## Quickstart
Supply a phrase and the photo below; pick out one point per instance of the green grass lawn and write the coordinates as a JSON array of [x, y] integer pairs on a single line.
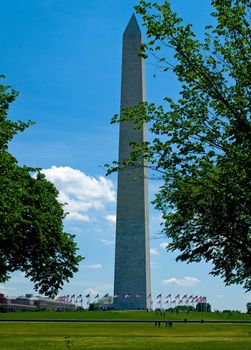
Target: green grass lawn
[[82, 336], [122, 315]]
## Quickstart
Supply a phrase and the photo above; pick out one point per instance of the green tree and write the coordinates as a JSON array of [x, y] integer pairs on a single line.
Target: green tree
[[185, 308], [31, 218], [105, 300], [248, 305], [201, 142], [203, 307]]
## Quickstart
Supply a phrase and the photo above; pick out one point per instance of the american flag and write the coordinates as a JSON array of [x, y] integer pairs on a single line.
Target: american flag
[[138, 295], [116, 296], [201, 299], [127, 295]]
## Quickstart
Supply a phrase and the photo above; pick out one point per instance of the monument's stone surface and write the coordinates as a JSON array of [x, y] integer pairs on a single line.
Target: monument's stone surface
[[132, 254]]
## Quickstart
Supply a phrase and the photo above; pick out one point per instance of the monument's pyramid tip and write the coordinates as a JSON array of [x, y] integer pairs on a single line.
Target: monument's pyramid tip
[[132, 26]]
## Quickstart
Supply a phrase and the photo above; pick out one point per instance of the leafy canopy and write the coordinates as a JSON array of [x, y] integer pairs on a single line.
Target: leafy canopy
[[201, 144], [31, 218]]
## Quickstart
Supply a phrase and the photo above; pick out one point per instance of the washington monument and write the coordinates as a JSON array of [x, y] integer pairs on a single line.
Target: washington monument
[[132, 254]]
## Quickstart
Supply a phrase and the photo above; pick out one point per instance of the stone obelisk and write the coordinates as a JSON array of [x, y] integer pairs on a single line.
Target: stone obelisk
[[132, 254]]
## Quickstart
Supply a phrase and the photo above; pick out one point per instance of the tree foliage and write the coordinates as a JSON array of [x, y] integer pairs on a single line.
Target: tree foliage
[[183, 308], [248, 305], [31, 219], [201, 141], [203, 307], [105, 300]]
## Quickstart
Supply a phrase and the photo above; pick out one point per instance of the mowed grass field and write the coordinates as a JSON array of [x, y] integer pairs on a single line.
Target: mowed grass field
[[78, 336], [110, 336], [122, 315]]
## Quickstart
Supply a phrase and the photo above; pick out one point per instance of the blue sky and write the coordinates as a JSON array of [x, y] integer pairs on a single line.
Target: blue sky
[[64, 57]]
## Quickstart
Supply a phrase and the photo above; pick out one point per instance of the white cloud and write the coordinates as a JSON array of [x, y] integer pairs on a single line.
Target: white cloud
[[154, 251], [91, 291], [86, 287], [163, 245], [98, 289], [106, 242], [186, 281], [98, 230], [110, 218], [94, 266], [4, 289], [80, 191], [75, 216], [75, 229]]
